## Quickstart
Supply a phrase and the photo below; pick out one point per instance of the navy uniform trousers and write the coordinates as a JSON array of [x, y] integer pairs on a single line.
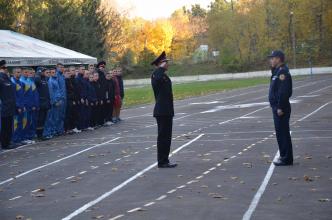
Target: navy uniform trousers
[[281, 124]]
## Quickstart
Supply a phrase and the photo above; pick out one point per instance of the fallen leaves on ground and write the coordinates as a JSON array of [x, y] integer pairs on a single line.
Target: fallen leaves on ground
[[19, 217], [217, 196], [307, 178], [324, 200]]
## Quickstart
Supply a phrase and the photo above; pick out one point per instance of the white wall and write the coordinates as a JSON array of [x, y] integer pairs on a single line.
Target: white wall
[[225, 76]]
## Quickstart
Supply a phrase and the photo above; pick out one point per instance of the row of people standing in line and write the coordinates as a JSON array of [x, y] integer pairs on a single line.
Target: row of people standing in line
[[50, 102]]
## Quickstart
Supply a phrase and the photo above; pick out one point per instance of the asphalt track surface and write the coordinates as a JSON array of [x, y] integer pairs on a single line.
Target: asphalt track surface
[[224, 144]]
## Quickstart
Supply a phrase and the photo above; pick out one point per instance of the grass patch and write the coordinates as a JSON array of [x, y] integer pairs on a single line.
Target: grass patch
[[144, 95]]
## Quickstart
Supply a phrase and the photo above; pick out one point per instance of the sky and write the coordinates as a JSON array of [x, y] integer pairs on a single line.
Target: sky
[[154, 9]]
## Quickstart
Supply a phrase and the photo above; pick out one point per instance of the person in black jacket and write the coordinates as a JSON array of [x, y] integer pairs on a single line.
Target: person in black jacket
[[41, 82], [110, 95], [93, 103], [100, 92], [120, 80], [72, 92], [83, 101], [163, 109], [8, 106]]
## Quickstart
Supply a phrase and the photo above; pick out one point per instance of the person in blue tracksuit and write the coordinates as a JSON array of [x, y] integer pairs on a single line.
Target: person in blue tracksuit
[[8, 106], [63, 93], [83, 96], [18, 135], [35, 105], [51, 126], [28, 105], [281, 90]]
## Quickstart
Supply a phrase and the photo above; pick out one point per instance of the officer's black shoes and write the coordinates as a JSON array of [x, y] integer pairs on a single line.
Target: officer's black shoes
[[282, 163], [167, 165]]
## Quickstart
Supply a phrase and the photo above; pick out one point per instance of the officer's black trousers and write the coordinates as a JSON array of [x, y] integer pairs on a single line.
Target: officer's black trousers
[[6, 131], [42, 114], [165, 124], [281, 124]]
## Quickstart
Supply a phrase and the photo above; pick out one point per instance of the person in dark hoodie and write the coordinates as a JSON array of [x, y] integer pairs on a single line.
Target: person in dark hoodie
[[100, 92], [72, 101], [110, 96], [120, 80], [8, 106], [93, 104], [82, 87], [41, 81]]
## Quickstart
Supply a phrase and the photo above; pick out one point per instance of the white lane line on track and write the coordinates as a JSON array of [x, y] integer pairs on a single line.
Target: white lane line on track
[[117, 188], [54, 184], [161, 198], [56, 161], [149, 204], [247, 215], [17, 197], [171, 191], [70, 177], [134, 210], [260, 191], [117, 217], [307, 116]]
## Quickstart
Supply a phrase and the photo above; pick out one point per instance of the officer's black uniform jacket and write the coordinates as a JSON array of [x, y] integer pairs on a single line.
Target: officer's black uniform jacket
[[162, 88], [281, 88], [7, 96], [44, 92]]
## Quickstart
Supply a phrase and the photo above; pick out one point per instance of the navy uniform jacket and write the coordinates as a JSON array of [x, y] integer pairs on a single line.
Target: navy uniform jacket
[[44, 92], [82, 87], [162, 88], [92, 96], [281, 88], [100, 91], [7, 96]]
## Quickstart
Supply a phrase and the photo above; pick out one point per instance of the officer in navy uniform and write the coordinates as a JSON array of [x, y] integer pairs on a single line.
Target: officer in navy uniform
[[280, 92], [163, 110], [8, 106]]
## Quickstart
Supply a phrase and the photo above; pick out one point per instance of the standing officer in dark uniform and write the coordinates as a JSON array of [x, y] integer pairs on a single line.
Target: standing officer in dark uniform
[[8, 106], [163, 110], [280, 92]]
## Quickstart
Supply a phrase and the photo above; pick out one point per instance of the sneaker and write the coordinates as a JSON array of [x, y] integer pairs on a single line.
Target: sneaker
[[76, 130], [91, 128], [109, 123], [28, 142]]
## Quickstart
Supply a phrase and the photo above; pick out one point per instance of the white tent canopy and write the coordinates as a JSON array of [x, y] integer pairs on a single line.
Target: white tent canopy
[[21, 50]]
